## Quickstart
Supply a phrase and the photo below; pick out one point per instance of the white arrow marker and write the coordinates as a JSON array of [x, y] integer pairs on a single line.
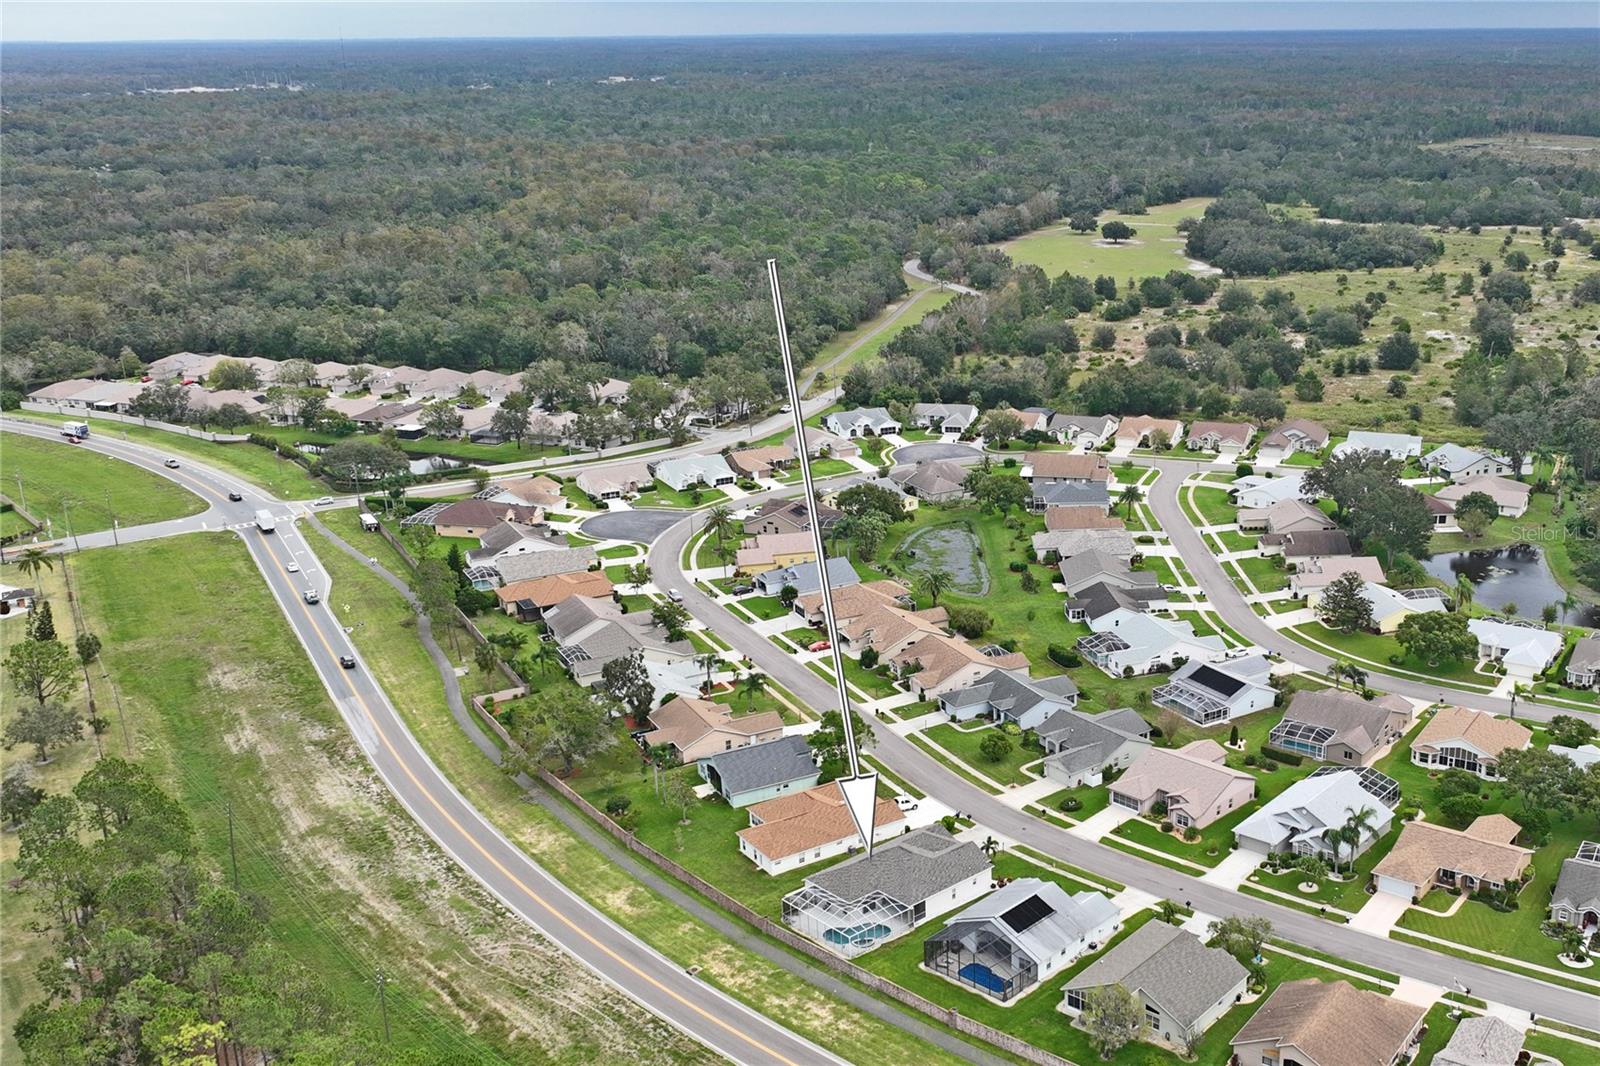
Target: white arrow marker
[[860, 790]]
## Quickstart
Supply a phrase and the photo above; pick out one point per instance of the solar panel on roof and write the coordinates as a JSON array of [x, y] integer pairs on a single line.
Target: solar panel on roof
[[1027, 914], [1216, 680]]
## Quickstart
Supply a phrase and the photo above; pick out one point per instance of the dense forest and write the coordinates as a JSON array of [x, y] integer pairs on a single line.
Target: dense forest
[[490, 204]]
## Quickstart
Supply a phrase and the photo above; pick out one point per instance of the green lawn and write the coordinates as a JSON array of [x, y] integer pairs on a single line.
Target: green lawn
[[861, 345], [1234, 541], [1377, 649], [664, 495], [1094, 799], [466, 451], [316, 835], [73, 488], [1155, 248], [820, 468], [1265, 573], [1213, 505], [765, 607], [1347, 895], [875, 683], [963, 744], [281, 477], [578, 498]]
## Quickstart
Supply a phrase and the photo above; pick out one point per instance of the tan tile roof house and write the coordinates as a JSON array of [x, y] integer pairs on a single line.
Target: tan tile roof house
[[1286, 516], [1426, 854], [1298, 434], [1512, 496], [538, 491], [545, 592], [1316, 1023], [805, 827], [1089, 517], [1192, 780], [1219, 436], [853, 601], [946, 662], [759, 462], [474, 517], [1137, 430], [1462, 739], [767, 551], [1064, 466], [698, 728]]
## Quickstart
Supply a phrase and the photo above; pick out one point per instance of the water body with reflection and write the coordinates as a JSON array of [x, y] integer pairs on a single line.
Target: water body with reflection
[[1517, 574]]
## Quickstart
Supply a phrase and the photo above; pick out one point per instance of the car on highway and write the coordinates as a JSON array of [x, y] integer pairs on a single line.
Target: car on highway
[[310, 596], [347, 661], [820, 645], [674, 595], [293, 568], [71, 439], [171, 464], [234, 497], [322, 501]]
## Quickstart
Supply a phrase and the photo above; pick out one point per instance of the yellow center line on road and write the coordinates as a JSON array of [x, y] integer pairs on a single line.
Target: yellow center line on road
[[513, 878]]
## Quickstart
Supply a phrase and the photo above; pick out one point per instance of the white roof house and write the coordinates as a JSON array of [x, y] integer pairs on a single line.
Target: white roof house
[[1524, 649], [1457, 463], [944, 416], [1295, 818], [1017, 936], [1396, 445], [687, 471], [1390, 606], [1258, 491], [1211, 693], [861, 422], [1128, 642]]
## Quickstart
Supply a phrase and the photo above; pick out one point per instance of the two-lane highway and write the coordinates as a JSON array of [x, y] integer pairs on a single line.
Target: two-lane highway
[[638, 971]]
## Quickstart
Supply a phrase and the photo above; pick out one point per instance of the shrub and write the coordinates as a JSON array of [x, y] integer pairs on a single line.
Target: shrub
[[1064, 657], [1250, 759], [1017, 567], [1288, 758], [869, 658], [970, 622], [1268, 766], [1191, 834], [1166, 826], [1071, 803]]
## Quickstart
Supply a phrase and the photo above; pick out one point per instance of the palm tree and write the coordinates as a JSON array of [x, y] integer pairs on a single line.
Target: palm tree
[[753, 684], [34, 560], [719, 521], [935, 582], [1130, 496], [989, 846], [709, 661], [543, 654], [1357, 676], [1336, 671], [1334, 838], [1357, 825], [1465, 591], [1569, 603]]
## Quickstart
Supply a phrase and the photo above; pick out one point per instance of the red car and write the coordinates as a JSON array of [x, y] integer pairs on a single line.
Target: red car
[[71, 439], [821, 645]]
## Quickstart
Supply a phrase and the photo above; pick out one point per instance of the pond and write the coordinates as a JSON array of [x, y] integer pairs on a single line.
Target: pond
[[952, 548], [1514, 575]]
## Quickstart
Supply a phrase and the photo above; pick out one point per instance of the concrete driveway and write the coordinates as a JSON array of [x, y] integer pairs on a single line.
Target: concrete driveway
[[920, 453], [1378, 915], [643, 525]]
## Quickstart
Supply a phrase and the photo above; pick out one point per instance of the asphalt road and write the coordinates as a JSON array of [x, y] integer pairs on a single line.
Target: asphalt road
[[915, 766], [918, 453], [643, 975], [914, 268]]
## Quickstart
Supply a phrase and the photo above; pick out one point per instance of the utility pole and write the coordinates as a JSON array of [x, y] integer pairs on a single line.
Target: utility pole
[[66, 509], [114, 540], [383, 1002], [22, 495]]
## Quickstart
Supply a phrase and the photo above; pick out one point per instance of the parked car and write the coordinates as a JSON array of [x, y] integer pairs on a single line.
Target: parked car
[[323, 501], [905, 803], [347, 661], [742, 590], [674, 595], [311, 596], [235, 497], [171, 464], [821, 645]]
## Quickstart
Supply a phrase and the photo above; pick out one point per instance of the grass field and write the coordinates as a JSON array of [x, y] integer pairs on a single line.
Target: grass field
[[405, 671], [466, 451], [249, 461], [70, 486], [924, 301], [347, 880], [1156, 248], [964, 744]]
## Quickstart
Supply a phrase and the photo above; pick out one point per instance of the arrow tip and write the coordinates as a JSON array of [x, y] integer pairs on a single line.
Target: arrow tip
[[861, 800]]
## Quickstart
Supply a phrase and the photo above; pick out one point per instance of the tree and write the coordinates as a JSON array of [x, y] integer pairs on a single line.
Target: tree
[[18, 796], [44, 725], [1398, 351], [1394, 518], [787, 595], [753, 683], [40, 668], [1570, 731], [871, 499], [1116, 231], [720, 522], [1474, 512], [34, 561], [867, 533], [1160, 440], [1437, 638], [637, 574], [442, 419], [934, 582], [233, 416], [1350, 478], [1129, 497], [827, 742], [232, 375], [994, 746], [352, 462], [1001, 426], [1264, 405], [995, 493], [1544, 779], [1112, 1016], [1240, 937], [678, 791], [1466, 591], [1082, 222], [166, 402], [1104, 338], [510, 420], [1460, 810], [1343, 606], [672, 617], [560, 723], [971, 622], [627, 680], [41, 622], [1517, 435]]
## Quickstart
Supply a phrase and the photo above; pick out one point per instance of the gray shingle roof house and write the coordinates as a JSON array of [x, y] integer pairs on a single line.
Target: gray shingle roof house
[[757, 772], [1101, 598], [1006, 943], [936, 479], [805, 577], [1184, 985], [1340, 727], [1576, 900], [545, 564], [1485, 1041], [944, 416], [1078, 746], [1010, 696], [1583, 669], [1094, 567], [1304, 543], [1091, 431], [1070, 494], [591, 632], [862, 902], [1066, 543], [1209, 693]]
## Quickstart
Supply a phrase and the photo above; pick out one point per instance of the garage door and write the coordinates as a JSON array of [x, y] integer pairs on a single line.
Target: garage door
[[1396, 887]]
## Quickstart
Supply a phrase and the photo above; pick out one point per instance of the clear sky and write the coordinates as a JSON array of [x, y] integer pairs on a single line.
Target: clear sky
[[134, 20]]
